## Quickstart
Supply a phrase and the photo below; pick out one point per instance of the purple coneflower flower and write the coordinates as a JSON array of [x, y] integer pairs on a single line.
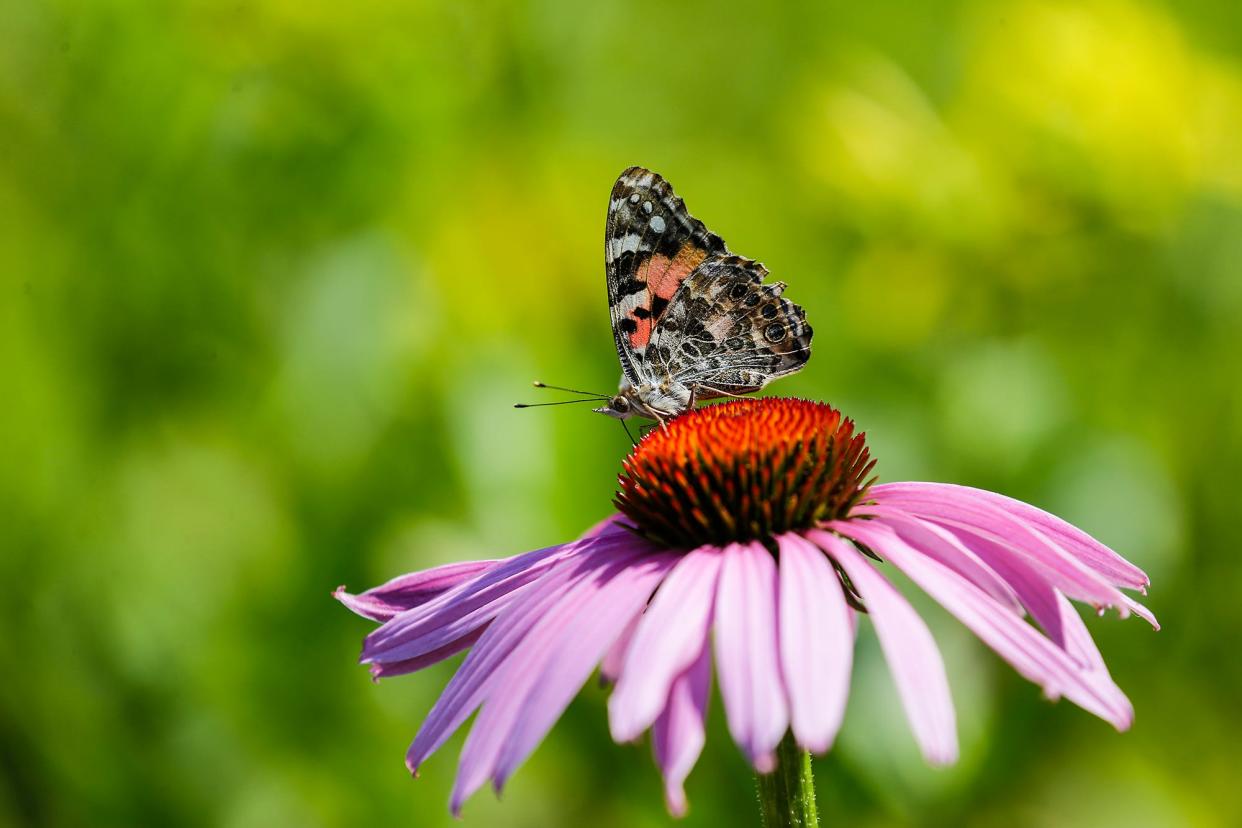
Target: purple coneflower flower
[[749, 535]]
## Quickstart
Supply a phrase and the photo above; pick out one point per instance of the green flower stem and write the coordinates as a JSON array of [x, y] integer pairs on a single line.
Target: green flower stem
[[787, 795]]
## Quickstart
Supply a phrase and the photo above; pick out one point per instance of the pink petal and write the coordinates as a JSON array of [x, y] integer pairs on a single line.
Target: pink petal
[[542, 675], [408, 591], [582, 647], [614, 659], [609, 525], [1099, 557], [746, 653], [475, 679], [957, 507], [912, 655], [816, 642], [1141, 611], [472, 604], [461, 609], [1033, 582], [677, 736], [483, 744], [948, 548], [1035, 592], [669, 638], [1080, 645], [1033, 656], [388, 669], [1045, 603], [1077, 641]]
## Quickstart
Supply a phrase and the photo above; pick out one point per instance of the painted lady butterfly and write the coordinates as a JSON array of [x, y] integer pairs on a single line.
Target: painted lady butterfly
[[691, 320]]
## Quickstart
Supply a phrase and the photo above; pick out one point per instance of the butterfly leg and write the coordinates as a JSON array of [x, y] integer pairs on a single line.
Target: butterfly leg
[[724, 393]]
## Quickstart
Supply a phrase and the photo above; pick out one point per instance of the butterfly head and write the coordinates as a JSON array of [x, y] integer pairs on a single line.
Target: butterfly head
[[619, 407], [655, 401]]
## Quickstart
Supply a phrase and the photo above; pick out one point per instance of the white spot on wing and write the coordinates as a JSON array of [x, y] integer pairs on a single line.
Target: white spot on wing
[[647, 207], [657, 224], [626, 244], [629, 303]]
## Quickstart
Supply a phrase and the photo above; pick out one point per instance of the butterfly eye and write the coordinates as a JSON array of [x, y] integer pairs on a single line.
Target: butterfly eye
[[619, 404]]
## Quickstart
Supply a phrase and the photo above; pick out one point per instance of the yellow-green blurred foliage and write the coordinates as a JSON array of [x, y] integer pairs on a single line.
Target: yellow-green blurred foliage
[[272, 273]]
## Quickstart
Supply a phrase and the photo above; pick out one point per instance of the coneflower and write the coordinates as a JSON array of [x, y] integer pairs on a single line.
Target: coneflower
[[749, 534]]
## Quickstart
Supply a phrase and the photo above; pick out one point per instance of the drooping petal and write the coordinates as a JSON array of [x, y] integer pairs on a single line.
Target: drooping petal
[[1031, 580], [1045, 603], [911, 653], [388, 669], [947, 548], [476, 677], [542, 675], [582, 646], [1020, 644], [408, 591], [1141, 611], [1077, 641], [614, 659], [816, 642], [746, 652], [1035, 592], [677, 736], [956, 507], [669, 639], [461, 609], [472, 604], [557, 604], [1099, 557]]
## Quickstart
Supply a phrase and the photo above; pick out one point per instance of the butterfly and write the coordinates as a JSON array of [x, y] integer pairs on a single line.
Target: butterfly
[[691, 320]]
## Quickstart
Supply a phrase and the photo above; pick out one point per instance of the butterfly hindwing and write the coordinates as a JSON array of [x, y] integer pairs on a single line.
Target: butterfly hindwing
[[726, 332], [652, 245]]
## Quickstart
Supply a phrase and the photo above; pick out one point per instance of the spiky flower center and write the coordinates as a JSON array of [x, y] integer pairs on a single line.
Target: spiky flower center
[[743, 470]]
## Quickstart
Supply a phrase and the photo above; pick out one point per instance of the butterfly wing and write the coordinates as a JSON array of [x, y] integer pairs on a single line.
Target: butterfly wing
[[651, 245], [726, 332]]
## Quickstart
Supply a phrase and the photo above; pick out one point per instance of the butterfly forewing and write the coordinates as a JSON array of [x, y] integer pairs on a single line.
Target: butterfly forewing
[[651, 245]]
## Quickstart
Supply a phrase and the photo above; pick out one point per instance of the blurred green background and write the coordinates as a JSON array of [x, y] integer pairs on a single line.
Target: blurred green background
[[272, 274]]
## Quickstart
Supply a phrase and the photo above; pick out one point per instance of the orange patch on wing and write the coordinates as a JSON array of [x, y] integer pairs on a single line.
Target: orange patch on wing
[[664, 275], [642, 334]]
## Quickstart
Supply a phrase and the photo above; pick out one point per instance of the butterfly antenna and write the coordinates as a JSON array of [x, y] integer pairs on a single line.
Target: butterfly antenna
[[539, 384], [560, 402]]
